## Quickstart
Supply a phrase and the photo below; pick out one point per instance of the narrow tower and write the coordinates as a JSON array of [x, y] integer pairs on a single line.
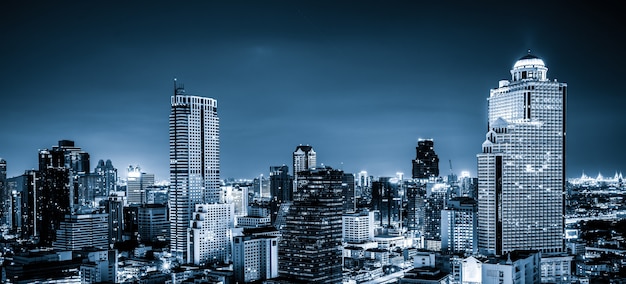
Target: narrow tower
[[194, 162]]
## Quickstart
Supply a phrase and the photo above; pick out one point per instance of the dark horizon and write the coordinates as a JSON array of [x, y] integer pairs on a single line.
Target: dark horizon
[[361, 82]]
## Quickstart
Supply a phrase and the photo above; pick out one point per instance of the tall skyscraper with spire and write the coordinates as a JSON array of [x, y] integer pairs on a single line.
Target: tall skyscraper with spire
[[194, 162], [521, 170]]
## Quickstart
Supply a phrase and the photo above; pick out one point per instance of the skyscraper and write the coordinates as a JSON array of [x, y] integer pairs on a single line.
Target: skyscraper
[[137, 184], [521, 170], [194, 162], [426, 163], [5, 195], [310, 248], [107, 178], [304, 158]]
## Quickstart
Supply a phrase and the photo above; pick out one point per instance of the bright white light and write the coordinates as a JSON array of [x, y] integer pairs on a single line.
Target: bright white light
[[465, 174]]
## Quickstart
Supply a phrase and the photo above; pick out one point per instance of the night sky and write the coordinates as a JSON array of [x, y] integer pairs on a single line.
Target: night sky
[[360, 81]]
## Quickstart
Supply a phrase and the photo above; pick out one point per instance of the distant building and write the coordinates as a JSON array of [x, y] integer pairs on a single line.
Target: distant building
[[255, 258], [114, 207], [210, 236], [107, 178], [137, 184], [349, 195], [358, 227], [157, 194], [81, 231], [415, 194], [5, 195], [304, 158], [152, 222], [312, 230], [387, 200], [281, 188], [426, 163], [23, 203], [521, 169], [436, 196], [459, 226]]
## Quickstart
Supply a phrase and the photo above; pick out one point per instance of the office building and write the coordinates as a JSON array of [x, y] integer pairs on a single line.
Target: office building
[[426, 163], [106, 178], [304, 158], [387, 200], [137, 183], [281, 183], [194, 162], [459, 226], [152, 223], [521, 168], [210, 235], [349, 195], [310, 247], [5, 195], [81, 231], [114, 207], [255, 258], [358, 227]]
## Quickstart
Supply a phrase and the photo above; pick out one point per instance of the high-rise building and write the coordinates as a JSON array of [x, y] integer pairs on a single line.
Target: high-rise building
[[5, 195], [281, 183], [436, 195], [349, 195], [310, 247], [426, 163], [387, 200], [358, 227], [114, 207], [107, 178], [210, 236], [521, 168], [281, 188], [137, 183], [458, 226], [23, 204], [152, 223], [304, 158], [255, 258], [194, 162]]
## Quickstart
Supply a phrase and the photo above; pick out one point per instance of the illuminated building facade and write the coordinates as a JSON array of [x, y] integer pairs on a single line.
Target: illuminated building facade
[[210, 235], [521, 168], [255, 258], [304, 158], [310, 247], [426, 163], [194, 162], [82, 231], [458, 226], [137, 184], [358, 227], [106, 178]]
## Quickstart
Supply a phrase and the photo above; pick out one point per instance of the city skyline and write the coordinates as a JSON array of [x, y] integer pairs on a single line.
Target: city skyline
[[360, 83]]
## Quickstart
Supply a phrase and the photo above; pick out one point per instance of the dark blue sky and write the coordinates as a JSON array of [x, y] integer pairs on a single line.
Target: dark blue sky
[[360, 81]]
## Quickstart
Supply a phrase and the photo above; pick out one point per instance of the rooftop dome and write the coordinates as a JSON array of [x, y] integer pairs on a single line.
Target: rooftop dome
[[529, 60]]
